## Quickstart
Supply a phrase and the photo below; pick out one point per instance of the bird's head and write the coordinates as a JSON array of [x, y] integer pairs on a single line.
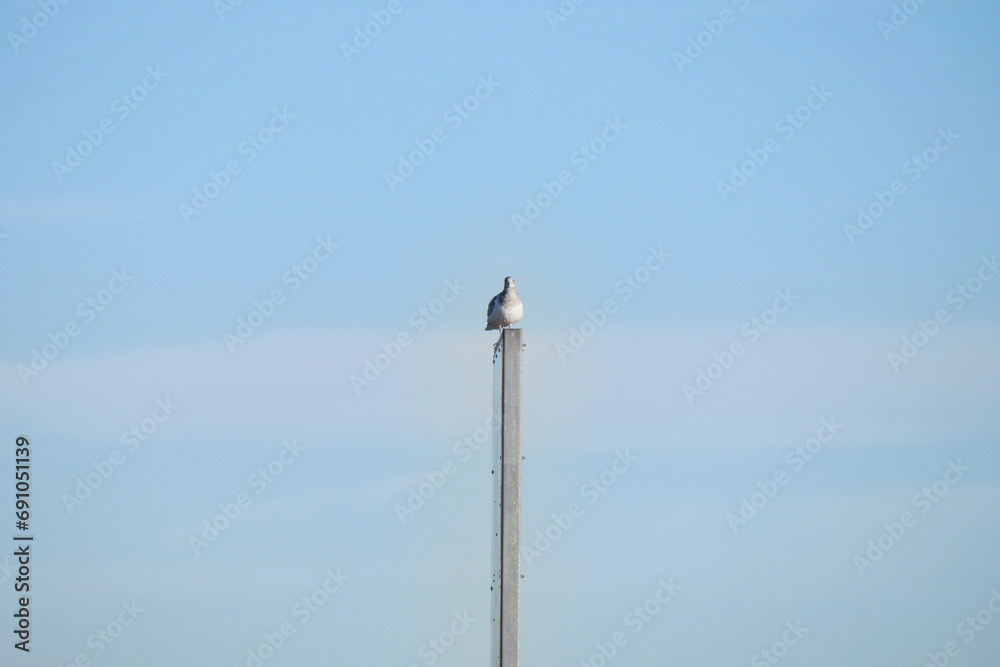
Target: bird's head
[[508, 282]]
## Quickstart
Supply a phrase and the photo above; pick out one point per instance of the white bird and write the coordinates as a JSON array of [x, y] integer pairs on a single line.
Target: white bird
[[504, 309]]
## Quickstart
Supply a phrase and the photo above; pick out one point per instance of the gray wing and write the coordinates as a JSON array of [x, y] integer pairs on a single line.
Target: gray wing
[[494, 303]]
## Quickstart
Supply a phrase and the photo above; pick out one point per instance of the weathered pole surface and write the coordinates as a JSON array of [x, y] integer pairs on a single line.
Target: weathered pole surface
[[506, 499]]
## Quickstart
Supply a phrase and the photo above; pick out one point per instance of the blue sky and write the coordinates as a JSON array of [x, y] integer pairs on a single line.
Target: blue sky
[[642, 140]]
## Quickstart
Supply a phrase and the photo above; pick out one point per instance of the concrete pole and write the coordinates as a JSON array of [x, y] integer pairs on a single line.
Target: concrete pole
[[505, 587]]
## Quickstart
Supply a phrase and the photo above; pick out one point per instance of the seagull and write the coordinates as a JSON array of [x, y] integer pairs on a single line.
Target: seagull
[[504, 309]]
